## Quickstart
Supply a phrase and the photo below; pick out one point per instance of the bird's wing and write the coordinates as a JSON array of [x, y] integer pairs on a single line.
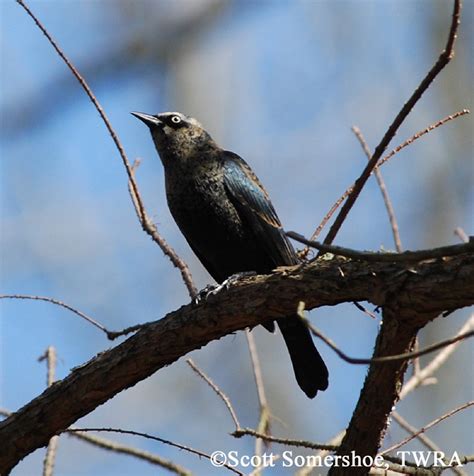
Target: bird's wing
[[253, 204]]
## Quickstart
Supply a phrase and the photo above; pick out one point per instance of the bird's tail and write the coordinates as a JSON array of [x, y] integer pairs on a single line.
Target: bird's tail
[[310, 370]]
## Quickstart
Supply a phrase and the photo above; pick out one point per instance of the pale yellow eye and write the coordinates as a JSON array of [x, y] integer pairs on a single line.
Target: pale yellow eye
[[176, 119]]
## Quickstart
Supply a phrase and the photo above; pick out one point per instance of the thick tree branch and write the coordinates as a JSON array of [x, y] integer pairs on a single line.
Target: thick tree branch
[[426, 289]]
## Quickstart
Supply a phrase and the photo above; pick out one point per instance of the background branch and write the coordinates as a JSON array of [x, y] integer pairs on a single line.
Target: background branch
[[444, 58], [428, 287], [148, 226]]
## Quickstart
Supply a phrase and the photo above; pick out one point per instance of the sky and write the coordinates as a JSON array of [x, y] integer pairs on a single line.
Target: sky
[[280, 83]]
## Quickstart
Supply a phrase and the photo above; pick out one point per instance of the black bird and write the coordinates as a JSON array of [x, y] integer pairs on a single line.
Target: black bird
[[228, 220]]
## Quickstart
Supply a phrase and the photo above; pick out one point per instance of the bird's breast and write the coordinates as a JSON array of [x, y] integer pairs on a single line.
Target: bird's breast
[[211, 224]]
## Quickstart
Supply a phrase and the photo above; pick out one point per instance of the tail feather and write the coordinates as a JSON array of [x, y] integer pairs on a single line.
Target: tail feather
[[310, 370]]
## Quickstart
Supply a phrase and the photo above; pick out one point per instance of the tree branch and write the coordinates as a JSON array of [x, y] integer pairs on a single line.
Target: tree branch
[[444, 58], [425, 289]]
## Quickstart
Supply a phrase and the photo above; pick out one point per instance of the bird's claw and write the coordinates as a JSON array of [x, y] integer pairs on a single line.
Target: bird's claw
[[212, 289], [204, 293]]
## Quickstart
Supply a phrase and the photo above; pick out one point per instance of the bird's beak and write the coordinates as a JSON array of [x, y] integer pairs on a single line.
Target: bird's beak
[[149, 120]]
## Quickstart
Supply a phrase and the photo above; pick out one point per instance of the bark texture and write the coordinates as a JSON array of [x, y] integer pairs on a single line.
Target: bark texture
[[411, 295]]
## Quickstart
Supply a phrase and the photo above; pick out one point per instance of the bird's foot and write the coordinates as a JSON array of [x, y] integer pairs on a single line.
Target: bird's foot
[[212, 289], [204, 293]]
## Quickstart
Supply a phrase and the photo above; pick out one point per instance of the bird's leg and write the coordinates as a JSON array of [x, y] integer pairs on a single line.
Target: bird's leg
[[212, 289], [204, 293]]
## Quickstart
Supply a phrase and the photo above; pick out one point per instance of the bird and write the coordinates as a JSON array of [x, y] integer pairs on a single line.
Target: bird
[[227, 218]]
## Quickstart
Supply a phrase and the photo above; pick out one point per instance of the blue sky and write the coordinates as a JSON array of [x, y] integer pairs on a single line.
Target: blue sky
[[278, 82]]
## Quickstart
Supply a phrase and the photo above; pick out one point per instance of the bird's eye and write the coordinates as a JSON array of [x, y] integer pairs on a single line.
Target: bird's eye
[[175, 119]]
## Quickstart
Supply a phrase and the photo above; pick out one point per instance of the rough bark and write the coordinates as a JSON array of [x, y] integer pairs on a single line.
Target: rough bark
[[417, 292]]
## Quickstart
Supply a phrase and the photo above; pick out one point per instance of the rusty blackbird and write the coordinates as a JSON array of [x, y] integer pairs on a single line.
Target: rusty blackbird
[[228, 220]]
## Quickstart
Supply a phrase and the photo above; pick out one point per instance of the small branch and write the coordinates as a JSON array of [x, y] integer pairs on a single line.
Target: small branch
[[383, 189], [437, 362], [151, 437], [284, 441], [381, 162], [216, 389], [427, 442], [428, 426], [117, 447], [263, 425], [110, 334], [361, 308], [386, 358], [429, 288], [420, 134], [443, 60], [151, 229], [50, 357], [459, 232], [145, 221], [57, 303], [50, 456], [404, 257]]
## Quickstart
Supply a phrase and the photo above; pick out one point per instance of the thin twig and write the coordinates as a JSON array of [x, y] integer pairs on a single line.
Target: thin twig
[[420, 134], [284, 441], [217, 390], [391, 462], [148, 226], [376, 360], [428, 426], [117, 447], [264, 413], [422, 377], [381, 162], [50, 456], [383, 189], [155, 438], [443, 60], [459, 232], [110, 334], [416, 380], [404, 257], [359, 306], [57, 302], [427, 442]]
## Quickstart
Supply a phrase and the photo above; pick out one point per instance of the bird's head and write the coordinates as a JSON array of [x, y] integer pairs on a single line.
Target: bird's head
[[177, 137]]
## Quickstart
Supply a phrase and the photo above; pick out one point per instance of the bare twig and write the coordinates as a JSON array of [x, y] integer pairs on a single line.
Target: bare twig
[[405, 256], [110, 334], [264, 417], [155, 438], [430, 286], [111, 445], [50, 456], [427, 442], [459, 232], [421, 133], [387, 358], [216, 389], [117, 447], [383, 189], [148, 226], [428, 426], [359, 306], [284, 441], [58, 303], [444, 58], [420, 378], [416, 380], [381, 162]]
